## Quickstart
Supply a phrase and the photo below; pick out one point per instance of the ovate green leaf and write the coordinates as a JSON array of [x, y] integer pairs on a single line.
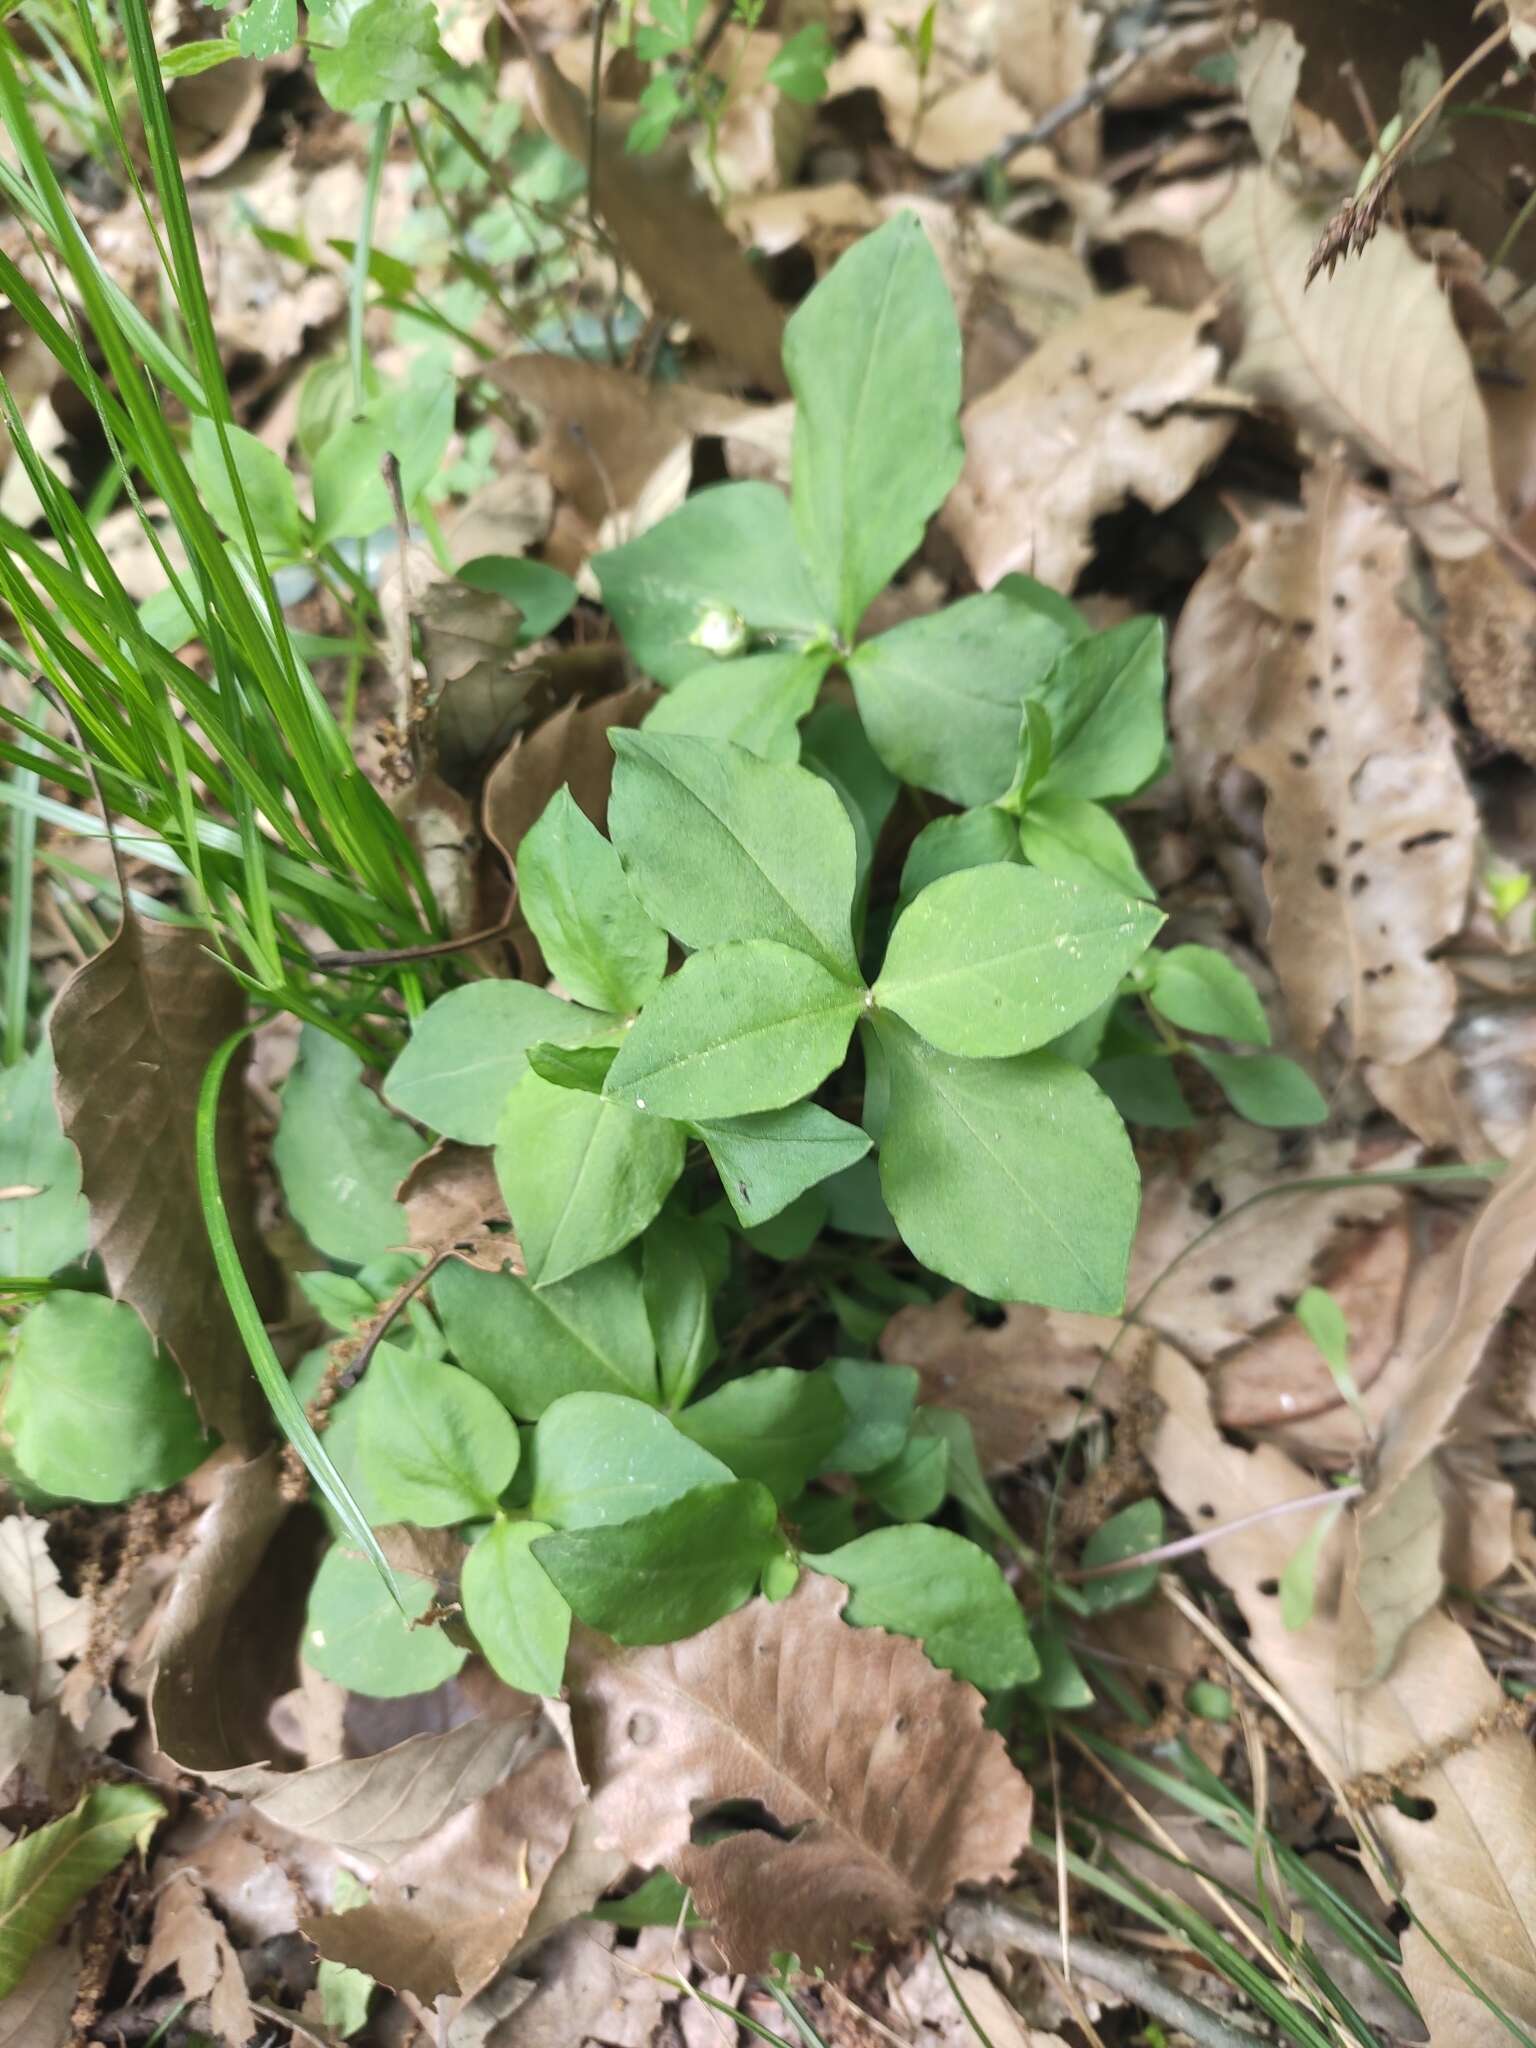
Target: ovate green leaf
[[682, 1263], [46, 1874], [531, 1345], [1079, 840], [1265, 1087], [264, 478], [468, 1052], [949, 845], [599, 1459], [340, 1155], [766, 1161], [437, 1446], [776, 1426], [599, 943], [1199, 989], [44, 1221], [1104, 695], [385, 50], [356, 1634], [520, 1622], [1133, 1530], [879, 1400], [758, 701], [942, 1589]]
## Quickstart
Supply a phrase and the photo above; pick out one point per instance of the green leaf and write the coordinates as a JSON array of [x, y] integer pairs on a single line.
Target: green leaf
[[1145, 1089], [597, 940], [723, 565], [758, 701], [532, 1345], [1320, 1315], [1033, 758], [541, 594], [1061, 1687], [345, 1993], [599, 1459], [1013, 1177], [439, 1447], [776, 1426], [1000, 960], [1136, 1528], [669, 1573], [1265, 1087], [941, 1589], [413, 422], [469, 1051], [791, 1233], [737, 1030], [679, 1276], [575, 1066], [948, 846], [799, 69], [879, 1400], [354, 1632], [659, 109], [267, 28], [340, 1155], [719, 845], [269, 491], [1199, 989], [46, 1874], [658, 1901], [766, 1161], [873, 359], [388, 51], [965, 1478], [191, 60], [1079, 840], [44, 1221], [1104, 695], [835, 746], [94, 1410], [913, 1485], [582, 1174], [941, 696], [520, 1622], [346, 1420], [1298, 1581]]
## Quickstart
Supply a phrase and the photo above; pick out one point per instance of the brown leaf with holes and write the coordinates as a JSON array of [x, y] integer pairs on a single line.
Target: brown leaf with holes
[[132, 1032], [228, 1642], [1371, 354], [1297, 666], [187, 1937], [1019, 1385], [1438, 1726], [1121, 402], [849, 1736], [454, 1907], [668, 232]]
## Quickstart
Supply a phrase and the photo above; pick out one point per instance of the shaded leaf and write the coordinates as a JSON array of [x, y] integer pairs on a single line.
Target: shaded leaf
[[44, 1876], [521, 1622], [766, 1161], [758, 701], [355, 1633], [597, 941], [44, 1221], [531, 1345], [777, 1426], [438, 1447], [468, 1052], [599, 1459], [341, 1155], [944, 1591]]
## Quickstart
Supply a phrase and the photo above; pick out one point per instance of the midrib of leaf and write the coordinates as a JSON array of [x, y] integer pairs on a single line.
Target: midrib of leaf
[[829, 1006], [850, 440], [983, 962], [579, 1178], [602, 1361]]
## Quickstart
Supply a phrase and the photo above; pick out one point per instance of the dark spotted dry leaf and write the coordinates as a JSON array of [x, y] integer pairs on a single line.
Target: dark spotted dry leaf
[[848, 1736], [1297, 667], [132, 1031], [669, 233]]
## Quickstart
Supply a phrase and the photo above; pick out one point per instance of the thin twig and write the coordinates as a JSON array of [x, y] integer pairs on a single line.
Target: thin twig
[[402, 1297], [431, 949], [1186, 1546], [976, 1922]]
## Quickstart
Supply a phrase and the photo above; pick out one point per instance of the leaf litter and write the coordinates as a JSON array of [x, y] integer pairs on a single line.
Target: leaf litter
[[1326, 491]]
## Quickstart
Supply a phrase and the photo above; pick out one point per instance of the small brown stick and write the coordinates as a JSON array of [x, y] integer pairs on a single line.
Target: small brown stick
[[430, 949], [350, 1374]]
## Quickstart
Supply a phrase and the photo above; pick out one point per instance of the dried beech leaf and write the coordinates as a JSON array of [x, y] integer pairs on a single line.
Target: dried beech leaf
[[1371, 353], [1019, 1384], [380, 1806], [1296, 663], [187, 1938], [1104, 410], [668, 232], [132, 1031], [453, 1908], [40, 1624], [1465, 1868], [228, 1641], [850, 1736]]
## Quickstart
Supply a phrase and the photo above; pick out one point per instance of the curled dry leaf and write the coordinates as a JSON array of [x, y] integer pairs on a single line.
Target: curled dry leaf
[[1115, 404], [1370, 353], [453, 1907], [228, 1641], [848, 1736], [40, 1624], [452, 1199], [188, 1938], [1045, 54], [1297, 664], [132, 1031], [1019, 1384], [668, 233], [1435, 1726]]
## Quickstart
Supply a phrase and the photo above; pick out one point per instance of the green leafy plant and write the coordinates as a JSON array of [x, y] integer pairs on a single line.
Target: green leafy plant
[[683, 87]]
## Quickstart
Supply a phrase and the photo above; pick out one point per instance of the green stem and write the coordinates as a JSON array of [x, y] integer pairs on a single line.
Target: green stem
[[362, 249]]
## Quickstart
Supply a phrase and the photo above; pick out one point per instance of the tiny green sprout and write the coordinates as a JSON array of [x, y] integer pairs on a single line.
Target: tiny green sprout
[[1507, 892], [1324, 1322], [720, 631], [1298, 1582]]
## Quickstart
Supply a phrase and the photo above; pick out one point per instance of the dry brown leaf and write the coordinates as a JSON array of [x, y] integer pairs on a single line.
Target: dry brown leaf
[[453, 1908], [946, 123], [381, 1806], [451, 1196], [1297, 664], [1370, 353], [1019, 1384], [1104, 410], [132, 1031], [1489, 629], [1465, 1870], [669, 234], [187, 1938], [850, 1736], [570, 748], [1268, 72], [37, 2013], [227, 1644], [40, 1624], [1045, 53]]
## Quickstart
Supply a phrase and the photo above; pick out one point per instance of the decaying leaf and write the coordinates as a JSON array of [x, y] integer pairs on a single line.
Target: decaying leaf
[[453, 1908], [132, 1032], [1435, 1727], [451, 1197], [669, 234], [572, 747], [188, 1938], [40, 1624], [37, 2013], [1489, 629], [1121, 402], [849, 1736], [1370, 353], [1045, 53], [1296, 663], [227, 1643]]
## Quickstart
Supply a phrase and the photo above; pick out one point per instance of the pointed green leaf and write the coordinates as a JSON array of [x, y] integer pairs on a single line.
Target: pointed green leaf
[[599, 1459], [438, 1447], [1104, 696], [265, 480], [940, 1588], [682, 1263], [340, 1155], [776, 1426], [468, 1052], [532, 1345], [1265, 1087], [879, 1399], [949, 845], [46, 1874], [1133, 1530], [599, 943], [1199, 989], [758, 701], [1079, 840], [766, 1161], [520, 1622]]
